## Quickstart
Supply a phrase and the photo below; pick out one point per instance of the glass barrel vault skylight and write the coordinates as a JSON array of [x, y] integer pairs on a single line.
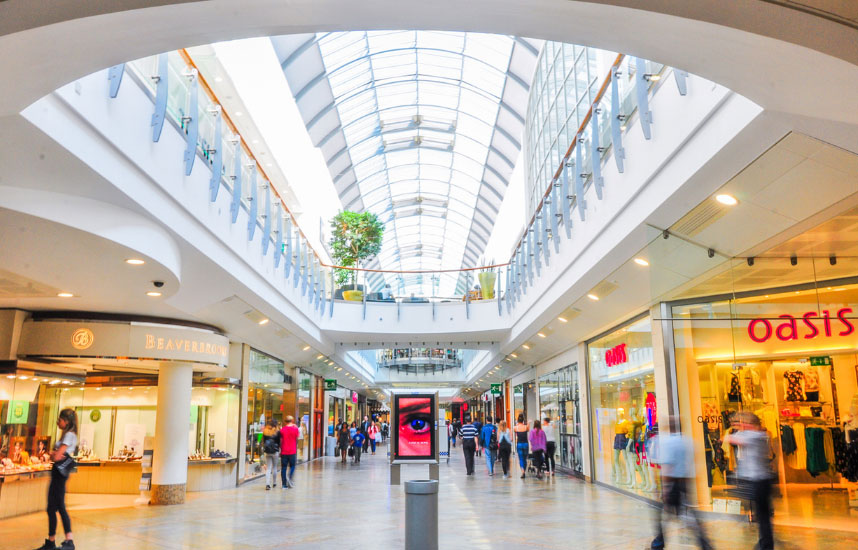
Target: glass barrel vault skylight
[[422, 128]]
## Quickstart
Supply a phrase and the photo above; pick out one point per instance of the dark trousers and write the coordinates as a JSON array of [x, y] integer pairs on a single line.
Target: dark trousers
[[538, 461], [549, 455], [761, 491], [365, 442], [504, 452], [469, 446], [674, 497], [287, 461], [372, 442], [57, 504]]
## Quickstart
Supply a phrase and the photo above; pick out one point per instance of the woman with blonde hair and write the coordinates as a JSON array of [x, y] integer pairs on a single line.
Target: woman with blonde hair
[[504, 446]]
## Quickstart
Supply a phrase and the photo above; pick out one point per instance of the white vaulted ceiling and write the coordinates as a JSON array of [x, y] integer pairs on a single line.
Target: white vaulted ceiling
[[422, 128]]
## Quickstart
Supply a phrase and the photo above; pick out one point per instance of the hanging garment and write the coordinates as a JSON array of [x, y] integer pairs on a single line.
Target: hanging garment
[[734, 388], [798, 460], [850, 470], [816, 463], [811, 384], [838, 439], [828, 443], [787, 440], [794, 385]]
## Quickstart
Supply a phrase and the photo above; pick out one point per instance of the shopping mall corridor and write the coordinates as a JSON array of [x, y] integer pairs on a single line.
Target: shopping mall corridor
[[353, 506]]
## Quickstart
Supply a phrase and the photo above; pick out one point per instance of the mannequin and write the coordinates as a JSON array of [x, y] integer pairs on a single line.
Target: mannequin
[[631, 457], [618, 474], [851, 419], [794, 386]]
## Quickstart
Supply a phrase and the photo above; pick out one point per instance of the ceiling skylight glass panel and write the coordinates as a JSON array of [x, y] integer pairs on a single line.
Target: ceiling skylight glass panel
[[417, 110]]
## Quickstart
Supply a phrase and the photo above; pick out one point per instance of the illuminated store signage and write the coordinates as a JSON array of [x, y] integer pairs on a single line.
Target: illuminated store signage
[[807, 327], [616, 355], [191, 346]]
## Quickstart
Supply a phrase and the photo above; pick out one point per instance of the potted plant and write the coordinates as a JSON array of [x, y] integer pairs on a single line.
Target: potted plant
[[488, 278], [354, 237]]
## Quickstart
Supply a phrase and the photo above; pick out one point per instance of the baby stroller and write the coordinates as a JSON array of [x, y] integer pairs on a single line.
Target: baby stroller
[[531, 464]]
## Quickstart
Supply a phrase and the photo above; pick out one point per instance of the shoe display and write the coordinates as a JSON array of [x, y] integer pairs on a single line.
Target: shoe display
[[49, 545]]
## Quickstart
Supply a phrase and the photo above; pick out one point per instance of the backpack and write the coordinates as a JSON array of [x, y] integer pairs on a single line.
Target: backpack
[[493, 440], [270, 446]]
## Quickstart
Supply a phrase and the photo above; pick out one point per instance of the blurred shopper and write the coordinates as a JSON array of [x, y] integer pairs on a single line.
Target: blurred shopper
[[521, 444], [755, 471], [489, 442], [289, 434], [364, 429], [270, 449], [468, 434], [63, 464], [479, 426], [550, 445], [357, 444], [373, 436], [343, 440], [538, 445], [504, 447], [676, 456]]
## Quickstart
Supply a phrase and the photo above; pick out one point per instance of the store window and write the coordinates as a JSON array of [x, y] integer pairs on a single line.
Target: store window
[[305, 388], [269, 396], [790, 358], [518, 402], [559, 399], [624, 414]]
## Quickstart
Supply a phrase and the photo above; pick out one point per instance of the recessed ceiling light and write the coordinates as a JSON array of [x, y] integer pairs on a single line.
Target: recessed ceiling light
[[65, 295], [305, 348], [728, 200], [23, 377], [255, 141], [134, 261], [593, 297], [641, 262], [525, 346], [153, 294], [563, 319], [264, 321], [540, 335], [319, 356], [218, 79], [238, 113]]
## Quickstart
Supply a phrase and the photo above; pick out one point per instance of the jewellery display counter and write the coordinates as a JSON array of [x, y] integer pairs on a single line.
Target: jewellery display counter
[[23, 490]]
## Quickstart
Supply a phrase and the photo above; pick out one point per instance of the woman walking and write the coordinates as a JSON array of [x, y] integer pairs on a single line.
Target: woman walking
[[344, 439], [373, 435], [538, 445], [63, 464], [551, 445], [504, 447], [271, 448], [521, 444]]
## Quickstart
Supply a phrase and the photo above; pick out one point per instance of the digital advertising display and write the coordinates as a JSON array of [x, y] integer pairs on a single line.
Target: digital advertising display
[[414, 418]]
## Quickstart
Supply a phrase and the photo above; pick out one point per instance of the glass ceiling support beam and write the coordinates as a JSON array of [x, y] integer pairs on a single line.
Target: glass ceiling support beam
[[309, 86], [306, 45], [318, 116], [681, 78]]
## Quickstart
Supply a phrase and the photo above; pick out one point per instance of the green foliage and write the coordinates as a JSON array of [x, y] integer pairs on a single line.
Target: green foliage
[[355, 237]]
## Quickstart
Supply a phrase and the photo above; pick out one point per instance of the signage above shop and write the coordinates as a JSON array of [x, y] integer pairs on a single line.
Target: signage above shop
[[354, 397], [330, 385], [823, 361], [496, 389], [808, 326], [616, 356]]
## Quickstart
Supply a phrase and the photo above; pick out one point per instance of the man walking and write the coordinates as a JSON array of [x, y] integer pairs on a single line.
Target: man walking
[[364, 429], [676, 456], [468, 435], [479, 426], [489, 443], [288, 451]]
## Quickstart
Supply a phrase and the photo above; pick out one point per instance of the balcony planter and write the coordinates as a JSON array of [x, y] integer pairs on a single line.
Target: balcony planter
[[487, 284], [353, 295]]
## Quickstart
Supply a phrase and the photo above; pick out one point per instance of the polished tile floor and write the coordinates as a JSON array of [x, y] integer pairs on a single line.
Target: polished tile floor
[[353, 507]]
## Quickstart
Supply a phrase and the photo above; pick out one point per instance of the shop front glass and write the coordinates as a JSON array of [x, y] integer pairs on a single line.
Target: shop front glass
[[789, 356], [624, 413], [559, 401], [305, 388], [268, 396], [518, 402]]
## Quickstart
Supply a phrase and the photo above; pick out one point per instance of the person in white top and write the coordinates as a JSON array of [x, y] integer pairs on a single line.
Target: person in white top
[[551, 444]]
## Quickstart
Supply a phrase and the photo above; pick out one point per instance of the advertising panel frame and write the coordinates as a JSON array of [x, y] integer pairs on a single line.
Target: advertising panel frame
[[396, 454]]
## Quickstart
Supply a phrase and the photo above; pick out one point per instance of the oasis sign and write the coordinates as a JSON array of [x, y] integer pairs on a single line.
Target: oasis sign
[[808, 326], [616, 355]]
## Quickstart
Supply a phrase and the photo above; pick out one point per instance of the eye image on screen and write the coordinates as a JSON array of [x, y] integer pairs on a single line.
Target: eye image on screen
[[415, 427]]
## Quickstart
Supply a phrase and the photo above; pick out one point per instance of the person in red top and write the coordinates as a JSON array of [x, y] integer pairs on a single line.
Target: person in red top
[[288, 451]]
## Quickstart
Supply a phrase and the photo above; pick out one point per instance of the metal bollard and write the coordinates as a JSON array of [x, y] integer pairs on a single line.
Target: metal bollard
[[421, 514]]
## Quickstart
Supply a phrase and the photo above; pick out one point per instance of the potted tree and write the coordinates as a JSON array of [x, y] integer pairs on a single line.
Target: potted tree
[[487, 278], [354, 237]]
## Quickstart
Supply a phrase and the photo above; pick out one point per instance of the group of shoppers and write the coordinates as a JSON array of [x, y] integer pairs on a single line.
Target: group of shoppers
[[354, 440], [283, 442], [537, 443]]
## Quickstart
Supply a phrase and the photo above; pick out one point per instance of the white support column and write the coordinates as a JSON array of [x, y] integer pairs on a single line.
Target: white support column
[[170, 460]]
